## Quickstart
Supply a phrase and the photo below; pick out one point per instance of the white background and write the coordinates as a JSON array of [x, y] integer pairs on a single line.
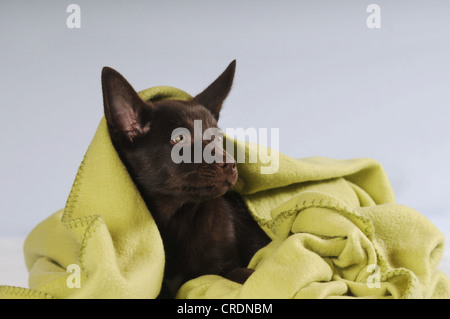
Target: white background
[[313, 69]]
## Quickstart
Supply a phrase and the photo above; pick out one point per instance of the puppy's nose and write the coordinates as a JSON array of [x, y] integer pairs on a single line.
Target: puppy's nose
[[228, 162], [225, 165]]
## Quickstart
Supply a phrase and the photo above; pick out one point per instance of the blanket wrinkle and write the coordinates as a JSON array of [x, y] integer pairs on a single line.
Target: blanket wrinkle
[[336, 232]]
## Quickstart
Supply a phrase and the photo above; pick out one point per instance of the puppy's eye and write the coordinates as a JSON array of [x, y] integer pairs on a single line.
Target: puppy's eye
[[181, 138], [217, 138]]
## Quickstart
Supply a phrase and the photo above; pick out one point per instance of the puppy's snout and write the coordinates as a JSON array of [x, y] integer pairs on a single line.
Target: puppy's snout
[[228, 162], [229, 169], [225, 165]]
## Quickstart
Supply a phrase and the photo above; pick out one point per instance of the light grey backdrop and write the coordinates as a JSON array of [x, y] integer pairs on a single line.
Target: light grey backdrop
[[311, 68]]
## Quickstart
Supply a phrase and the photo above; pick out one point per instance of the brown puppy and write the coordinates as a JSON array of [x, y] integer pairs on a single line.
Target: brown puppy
[[205, 228]]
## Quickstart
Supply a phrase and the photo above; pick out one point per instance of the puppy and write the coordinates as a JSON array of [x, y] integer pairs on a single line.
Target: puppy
[[205, 227]]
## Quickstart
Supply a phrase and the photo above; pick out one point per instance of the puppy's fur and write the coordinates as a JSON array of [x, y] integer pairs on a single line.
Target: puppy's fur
[[205, 227]]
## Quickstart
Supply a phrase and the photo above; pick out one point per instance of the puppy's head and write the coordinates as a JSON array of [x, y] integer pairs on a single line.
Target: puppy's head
[[145, 135]]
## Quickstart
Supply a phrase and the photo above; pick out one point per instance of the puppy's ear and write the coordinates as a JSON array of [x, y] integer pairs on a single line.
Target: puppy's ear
[[214, 95], [128, 116]]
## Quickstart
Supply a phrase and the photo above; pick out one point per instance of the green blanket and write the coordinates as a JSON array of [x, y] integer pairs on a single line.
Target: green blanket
[[336, 230]]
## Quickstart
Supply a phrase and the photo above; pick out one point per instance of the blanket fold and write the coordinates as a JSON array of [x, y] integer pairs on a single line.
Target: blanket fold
[[335, 227]]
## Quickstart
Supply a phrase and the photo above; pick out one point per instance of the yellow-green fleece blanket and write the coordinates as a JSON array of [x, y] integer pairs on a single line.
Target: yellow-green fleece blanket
[[336, 230]]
